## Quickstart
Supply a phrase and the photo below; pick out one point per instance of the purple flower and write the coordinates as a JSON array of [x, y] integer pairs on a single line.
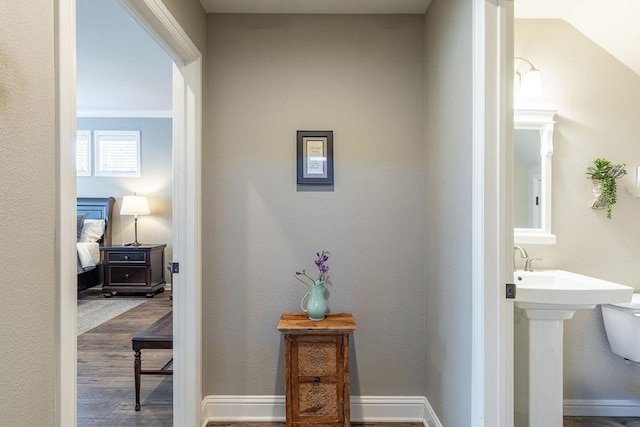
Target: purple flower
[[322, 257]]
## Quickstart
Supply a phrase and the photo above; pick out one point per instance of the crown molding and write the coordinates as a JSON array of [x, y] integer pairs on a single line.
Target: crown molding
[[147, 114]]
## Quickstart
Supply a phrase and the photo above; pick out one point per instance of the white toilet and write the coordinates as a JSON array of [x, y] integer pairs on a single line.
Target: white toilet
[[622, 324]]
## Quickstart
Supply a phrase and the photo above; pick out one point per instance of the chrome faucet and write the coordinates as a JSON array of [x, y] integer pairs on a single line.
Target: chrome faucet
[[528, 260], [523, 254], [528, 264]]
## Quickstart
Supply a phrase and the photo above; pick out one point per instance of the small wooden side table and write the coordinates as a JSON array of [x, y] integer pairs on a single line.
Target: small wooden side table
[[317, 368]]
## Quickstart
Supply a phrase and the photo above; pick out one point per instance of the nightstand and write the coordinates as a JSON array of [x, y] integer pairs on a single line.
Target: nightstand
[[317, 368], [133, 269]]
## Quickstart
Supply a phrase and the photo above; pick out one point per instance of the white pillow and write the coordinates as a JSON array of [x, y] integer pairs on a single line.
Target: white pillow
[[92, 230]]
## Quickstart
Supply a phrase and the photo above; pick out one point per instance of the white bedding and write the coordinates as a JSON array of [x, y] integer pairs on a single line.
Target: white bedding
[[88, 254], [88, 246]]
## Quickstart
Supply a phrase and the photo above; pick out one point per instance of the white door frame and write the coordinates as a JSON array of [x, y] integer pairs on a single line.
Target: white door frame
[[492, 230], [156, 19], [492, 356], [66, 278]]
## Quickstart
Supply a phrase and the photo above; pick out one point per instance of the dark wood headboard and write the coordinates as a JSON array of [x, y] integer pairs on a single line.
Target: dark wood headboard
[[98, 208]]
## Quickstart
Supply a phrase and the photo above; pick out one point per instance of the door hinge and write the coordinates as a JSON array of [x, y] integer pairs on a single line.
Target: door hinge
[[173, 267], [511, 291]]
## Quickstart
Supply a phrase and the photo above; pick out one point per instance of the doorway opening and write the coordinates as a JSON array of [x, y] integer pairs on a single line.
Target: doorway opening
[[154, 18]]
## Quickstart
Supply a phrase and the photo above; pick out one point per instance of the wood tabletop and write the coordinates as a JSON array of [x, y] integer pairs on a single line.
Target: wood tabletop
[[299, 323], [160, 331]]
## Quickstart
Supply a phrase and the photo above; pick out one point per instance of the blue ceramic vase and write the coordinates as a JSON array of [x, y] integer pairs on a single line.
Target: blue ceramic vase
[[316, 308]]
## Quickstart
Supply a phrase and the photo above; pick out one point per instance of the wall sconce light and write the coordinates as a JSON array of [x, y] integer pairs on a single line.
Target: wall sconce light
[[527, 82], [134, 205]]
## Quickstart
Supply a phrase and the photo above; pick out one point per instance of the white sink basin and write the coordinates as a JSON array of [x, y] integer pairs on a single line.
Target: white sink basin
[[548, 298], [566, 290]]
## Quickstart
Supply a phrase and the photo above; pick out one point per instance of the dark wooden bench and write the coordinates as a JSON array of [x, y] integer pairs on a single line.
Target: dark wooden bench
[[157, 336]]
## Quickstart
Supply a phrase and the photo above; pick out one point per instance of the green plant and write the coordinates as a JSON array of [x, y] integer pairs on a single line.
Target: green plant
[[607, 173]]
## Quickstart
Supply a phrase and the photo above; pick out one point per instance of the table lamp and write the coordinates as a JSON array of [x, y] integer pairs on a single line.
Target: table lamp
[[134, 205]]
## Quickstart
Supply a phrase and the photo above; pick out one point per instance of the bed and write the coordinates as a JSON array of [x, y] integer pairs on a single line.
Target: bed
[[94, 231]]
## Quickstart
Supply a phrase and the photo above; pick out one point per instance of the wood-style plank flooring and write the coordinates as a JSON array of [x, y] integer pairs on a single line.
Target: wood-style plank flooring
[[106, 393], [568, 422], [601, 422], [282, 424]]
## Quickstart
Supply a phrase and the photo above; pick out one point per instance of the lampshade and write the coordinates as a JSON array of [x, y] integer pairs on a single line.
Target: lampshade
[[134, 205], [527, 79]]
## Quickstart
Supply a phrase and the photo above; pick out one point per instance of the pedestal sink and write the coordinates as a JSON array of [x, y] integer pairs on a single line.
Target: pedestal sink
[[548, 298]]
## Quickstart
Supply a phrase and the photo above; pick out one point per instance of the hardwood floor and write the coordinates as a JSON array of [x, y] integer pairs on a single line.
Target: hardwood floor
[[568, 422], [601, 422], [106, 394], [282, 424]]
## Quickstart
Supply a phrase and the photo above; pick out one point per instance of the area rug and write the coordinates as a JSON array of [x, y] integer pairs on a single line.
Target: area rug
[[93, 313]]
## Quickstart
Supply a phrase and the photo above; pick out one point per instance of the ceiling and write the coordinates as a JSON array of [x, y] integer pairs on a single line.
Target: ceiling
[[120, 68], [611, 24]]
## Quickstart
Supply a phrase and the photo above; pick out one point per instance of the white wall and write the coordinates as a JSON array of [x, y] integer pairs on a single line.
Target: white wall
[[598, 109], [362, 77], [28, 208], [154, 181], [448, 209], [27, 219]]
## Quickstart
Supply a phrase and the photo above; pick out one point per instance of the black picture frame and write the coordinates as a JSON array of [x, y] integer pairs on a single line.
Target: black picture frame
[[315, 157]]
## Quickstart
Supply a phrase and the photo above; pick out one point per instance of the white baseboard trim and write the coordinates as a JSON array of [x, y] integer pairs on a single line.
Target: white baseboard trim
[[602, 408], [229, 408]]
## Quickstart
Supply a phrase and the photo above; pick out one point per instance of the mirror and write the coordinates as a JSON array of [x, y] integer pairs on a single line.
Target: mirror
[[533, 148], [527, 178]]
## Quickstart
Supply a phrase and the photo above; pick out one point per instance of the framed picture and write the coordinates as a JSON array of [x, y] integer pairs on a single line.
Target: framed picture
[[315, 157]]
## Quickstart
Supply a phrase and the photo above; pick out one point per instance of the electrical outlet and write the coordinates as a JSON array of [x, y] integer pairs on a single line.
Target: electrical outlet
[[511, 291]]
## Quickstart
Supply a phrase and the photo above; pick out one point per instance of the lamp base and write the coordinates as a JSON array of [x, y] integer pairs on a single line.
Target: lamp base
[[135, 236]]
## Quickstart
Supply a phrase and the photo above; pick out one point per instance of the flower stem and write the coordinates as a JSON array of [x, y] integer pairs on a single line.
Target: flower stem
[[305, 283]]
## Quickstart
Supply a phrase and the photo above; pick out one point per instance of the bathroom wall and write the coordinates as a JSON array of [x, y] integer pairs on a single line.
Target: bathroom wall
[[598, 103]]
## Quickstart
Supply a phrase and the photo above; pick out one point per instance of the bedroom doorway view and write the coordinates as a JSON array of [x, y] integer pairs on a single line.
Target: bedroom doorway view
[[124, 148]]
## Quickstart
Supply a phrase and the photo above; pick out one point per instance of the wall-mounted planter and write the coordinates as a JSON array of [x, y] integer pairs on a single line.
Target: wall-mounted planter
[[603, 175], [597, 201]]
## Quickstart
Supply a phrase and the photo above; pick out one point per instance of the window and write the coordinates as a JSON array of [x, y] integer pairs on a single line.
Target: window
[[117, 153], [83, 153]]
